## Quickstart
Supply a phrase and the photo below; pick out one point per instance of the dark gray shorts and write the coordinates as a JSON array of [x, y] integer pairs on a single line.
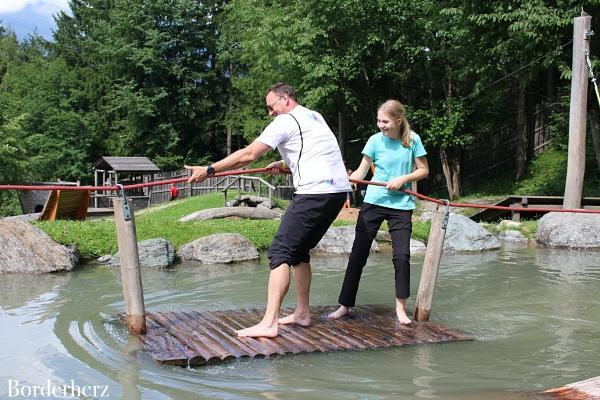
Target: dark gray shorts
[[303, 224]]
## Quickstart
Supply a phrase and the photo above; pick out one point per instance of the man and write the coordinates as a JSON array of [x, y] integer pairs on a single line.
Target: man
[[309, 148]]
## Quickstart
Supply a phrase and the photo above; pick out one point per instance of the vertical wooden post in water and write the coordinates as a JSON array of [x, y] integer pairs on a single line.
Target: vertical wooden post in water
[[577, 113], [431, 264], [130, 266]]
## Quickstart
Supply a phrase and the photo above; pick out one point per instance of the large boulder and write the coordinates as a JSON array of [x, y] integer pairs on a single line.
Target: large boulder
[[338, 240], [416, 246], [226, 212], [252, 201], [26, 248], [219, 248], [463, 234], [512, 236], [153, 253], [569, 230]]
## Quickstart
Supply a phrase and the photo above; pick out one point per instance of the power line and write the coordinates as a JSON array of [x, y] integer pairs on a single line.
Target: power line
[[500, 79]]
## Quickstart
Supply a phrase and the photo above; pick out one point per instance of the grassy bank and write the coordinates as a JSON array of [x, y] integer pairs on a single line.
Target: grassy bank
[[97, 237]]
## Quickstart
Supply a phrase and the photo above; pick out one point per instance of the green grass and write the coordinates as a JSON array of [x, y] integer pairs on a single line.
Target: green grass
[[546, 175], [421, 230], [528, 228], [97, 237]]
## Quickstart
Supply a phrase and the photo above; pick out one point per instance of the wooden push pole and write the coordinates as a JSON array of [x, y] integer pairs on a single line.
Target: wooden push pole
[[130, 265], [431, 263], [577, 113]]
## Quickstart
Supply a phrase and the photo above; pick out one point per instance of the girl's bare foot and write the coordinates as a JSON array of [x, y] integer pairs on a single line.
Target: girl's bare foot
[[339, 313], [403, 318], [401, 312]]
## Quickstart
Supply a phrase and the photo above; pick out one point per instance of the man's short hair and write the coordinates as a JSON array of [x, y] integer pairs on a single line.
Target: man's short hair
[[281, 89]]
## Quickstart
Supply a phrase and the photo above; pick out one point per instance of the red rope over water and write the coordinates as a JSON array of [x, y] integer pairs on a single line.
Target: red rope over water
[[470, 205], [286, 171], [135, 186]]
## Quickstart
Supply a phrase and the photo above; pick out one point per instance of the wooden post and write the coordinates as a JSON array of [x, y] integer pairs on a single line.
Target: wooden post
[[431, 264], [577, 113], [130, 267], [96, 184], [341, 136]]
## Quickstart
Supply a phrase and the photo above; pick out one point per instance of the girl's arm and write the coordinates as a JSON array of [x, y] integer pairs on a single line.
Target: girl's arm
[[362, 169], [421, 171]]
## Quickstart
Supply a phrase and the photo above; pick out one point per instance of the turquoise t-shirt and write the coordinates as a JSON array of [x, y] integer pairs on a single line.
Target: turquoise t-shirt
[[391, 159]]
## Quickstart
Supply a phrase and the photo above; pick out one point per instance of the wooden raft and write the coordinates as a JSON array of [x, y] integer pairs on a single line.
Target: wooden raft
[[582, 390], [194, 338]]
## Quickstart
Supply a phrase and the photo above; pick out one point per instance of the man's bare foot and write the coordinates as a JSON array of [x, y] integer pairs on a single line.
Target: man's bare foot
[[258, 330], [339, 313], [302, 320]]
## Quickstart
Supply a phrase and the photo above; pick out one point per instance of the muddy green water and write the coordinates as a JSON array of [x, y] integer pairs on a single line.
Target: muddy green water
[[534, 315]]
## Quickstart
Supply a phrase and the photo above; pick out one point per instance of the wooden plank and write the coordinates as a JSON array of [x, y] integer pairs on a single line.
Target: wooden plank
[[194, 338], [588, 389]]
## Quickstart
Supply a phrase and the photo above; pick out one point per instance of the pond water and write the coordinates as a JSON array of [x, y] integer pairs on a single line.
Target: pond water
[[534, 315]]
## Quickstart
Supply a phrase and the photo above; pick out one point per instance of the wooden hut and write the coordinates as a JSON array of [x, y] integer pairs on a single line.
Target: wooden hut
[[110, 171]]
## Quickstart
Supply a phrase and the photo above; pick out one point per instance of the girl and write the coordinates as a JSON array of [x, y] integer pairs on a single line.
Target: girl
[[399, 158]]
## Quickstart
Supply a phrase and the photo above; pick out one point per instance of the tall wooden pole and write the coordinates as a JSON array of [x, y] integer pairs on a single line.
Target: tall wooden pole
[[130, 266], [577, 113], [431, 264], [342, 136]]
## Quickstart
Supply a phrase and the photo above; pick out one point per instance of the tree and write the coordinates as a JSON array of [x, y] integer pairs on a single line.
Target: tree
[[150, 69], [529, 32], [59, 144], [341, 57]]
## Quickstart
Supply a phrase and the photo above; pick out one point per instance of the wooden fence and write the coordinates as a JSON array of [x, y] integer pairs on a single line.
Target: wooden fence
[[493, 152], [225, 184]]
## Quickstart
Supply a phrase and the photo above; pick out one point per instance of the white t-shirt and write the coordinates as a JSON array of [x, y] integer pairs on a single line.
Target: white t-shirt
[[313, 156]]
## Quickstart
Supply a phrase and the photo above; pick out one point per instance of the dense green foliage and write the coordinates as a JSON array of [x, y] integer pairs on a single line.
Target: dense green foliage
[[168, 79], [547, 176]]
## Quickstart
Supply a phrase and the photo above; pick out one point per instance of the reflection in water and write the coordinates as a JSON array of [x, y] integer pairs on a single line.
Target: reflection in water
[[534, 315], [16, 290], [130, 374], [570, 265], [424, 361]]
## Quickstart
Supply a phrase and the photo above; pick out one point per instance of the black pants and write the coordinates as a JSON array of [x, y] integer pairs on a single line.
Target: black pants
[[370, 219], [302, 226]]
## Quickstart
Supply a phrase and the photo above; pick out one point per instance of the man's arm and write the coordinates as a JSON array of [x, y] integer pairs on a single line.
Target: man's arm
[[238, 159]]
